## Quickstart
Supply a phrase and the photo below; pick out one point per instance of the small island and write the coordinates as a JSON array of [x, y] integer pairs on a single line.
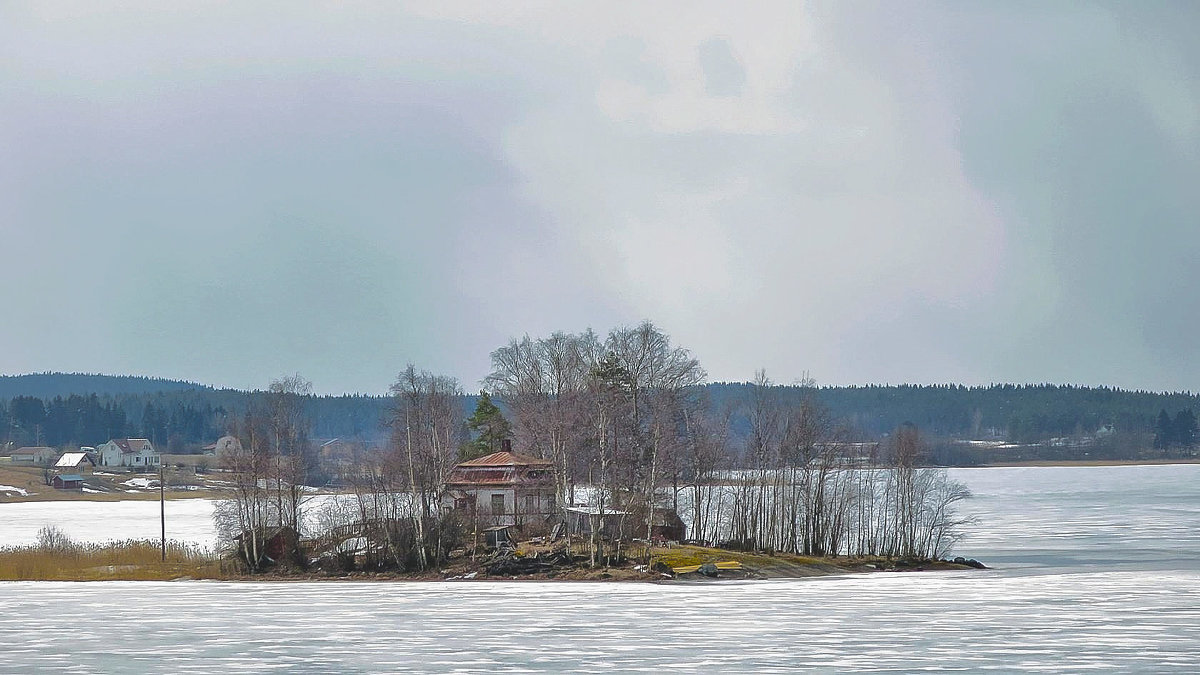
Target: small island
[[586, 457]]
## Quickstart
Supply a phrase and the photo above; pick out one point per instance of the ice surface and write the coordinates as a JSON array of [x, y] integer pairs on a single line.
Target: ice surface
[[188, 520], [1098, 568], [1114, 621]]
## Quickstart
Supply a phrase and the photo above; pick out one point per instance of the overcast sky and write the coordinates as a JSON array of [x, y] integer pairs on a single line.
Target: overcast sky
[[870, 192]]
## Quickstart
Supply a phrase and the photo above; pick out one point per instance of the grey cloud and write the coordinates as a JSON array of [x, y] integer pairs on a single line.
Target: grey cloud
[[926, 192], [723, 73]]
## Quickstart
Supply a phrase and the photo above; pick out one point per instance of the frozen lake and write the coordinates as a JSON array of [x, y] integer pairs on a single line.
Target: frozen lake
[[189, 520], [1098, 568]]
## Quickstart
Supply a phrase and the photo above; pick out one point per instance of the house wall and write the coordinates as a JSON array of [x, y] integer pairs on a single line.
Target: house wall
[[517, 507], [109, 454], [483, 504], [143, 459]]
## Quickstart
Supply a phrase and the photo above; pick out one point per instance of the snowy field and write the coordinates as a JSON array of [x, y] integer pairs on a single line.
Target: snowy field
[[188, 520]]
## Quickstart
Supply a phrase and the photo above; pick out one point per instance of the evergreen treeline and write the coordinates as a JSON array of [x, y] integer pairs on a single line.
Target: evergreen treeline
[[48, 385], [182, 415], [175, 421], [1178, 432], [1018, 413]]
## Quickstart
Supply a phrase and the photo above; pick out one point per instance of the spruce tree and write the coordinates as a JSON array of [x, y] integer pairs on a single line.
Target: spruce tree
[[1184, 428], [488, 426], [1164, 431]]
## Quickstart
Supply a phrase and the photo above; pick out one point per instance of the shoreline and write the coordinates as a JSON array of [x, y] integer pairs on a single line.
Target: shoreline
[[1082, 463], [50, 495], [138, 561], [581, 576]]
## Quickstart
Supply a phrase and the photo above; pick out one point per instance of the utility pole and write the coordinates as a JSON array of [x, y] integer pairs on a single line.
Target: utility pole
[[162, 510]]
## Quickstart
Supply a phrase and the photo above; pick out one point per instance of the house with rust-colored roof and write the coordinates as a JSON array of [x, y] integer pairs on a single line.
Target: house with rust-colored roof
[[504, 488]]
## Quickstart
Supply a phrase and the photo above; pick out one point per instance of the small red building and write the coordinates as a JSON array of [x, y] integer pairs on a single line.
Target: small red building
[[67, 481]]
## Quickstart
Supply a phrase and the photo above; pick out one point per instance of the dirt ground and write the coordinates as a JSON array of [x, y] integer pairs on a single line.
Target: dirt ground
[[107, 485]]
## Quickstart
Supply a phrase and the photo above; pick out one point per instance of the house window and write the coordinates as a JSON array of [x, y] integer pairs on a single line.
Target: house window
[[498, 503], [529, 508]]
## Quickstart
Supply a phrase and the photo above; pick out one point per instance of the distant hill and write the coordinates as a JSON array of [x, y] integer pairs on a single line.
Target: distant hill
[[178, 414], [49, 385], [1020, 412]]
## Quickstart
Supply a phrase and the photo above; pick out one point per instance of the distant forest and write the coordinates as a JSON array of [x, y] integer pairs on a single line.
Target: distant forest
[[73, 409], [1017, 413]]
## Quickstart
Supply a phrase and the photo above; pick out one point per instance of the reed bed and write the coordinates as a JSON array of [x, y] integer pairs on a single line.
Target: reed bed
[[57, 558]]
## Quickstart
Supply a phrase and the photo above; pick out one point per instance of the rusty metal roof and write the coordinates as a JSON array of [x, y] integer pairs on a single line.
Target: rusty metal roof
[[506, 459], [488, 476]]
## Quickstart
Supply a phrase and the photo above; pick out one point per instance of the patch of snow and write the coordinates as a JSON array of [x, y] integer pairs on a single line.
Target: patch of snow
[[92, 490], [188, 520], [10, 488], [141, 482]]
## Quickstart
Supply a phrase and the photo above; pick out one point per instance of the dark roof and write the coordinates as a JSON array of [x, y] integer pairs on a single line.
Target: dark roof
[[131, 444]]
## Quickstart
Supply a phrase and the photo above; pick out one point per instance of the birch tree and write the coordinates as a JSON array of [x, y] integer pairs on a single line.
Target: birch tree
[[426, 424]]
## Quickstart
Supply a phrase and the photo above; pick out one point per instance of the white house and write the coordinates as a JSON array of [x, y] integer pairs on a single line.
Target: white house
[[223, 446], [133, 452]]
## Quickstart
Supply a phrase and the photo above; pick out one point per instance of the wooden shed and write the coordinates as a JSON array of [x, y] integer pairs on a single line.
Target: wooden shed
[[667, 524], [67, 481]]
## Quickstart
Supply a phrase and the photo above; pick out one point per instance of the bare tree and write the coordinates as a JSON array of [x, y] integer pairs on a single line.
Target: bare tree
[[244, 518], [426, 427], [269, 467], [544, 383], [659, 378], [293, 461]]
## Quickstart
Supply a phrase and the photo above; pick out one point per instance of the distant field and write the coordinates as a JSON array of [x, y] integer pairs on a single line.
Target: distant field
[[26, 483]]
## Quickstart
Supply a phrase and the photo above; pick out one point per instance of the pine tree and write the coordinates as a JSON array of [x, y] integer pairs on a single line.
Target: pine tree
[[1184, 428], [1164, 431], [488, 426]]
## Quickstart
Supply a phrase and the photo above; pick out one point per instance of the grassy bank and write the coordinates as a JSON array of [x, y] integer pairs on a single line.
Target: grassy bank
[[56, 558]]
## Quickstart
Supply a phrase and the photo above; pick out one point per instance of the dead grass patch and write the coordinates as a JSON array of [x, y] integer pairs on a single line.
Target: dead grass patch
[[64, 560]]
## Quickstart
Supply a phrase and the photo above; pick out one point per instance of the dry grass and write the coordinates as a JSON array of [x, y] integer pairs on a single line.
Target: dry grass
[[683, 556], [32, 481], [28, 478], [56, 558]]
